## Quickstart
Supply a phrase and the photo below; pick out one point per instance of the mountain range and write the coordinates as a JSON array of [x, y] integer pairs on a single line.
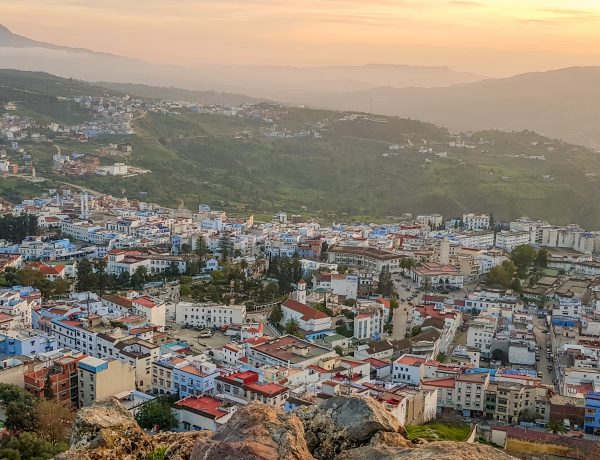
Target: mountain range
[[560, 103]]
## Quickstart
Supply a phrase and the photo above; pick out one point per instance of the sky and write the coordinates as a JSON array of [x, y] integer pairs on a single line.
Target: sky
[[488, 37]]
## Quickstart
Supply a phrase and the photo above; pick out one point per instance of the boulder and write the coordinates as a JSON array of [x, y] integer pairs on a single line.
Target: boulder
[[361, 417], [444, 450], [256, 432], [343, 423], [107, 431], [385, 438]]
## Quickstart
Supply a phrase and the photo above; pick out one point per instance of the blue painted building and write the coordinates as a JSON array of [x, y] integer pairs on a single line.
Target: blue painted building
[[591, 421], [194, 378], [26, 342]]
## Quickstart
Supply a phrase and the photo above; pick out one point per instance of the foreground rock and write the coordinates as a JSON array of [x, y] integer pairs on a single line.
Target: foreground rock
[[343, 423], [256, 431], [107, 430], [342, 429], [443, 450]]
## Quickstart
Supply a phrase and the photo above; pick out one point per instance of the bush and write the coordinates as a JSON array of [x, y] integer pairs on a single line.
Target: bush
[[157, 412]]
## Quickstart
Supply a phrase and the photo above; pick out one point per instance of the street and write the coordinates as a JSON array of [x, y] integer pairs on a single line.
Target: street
[[540, 338]]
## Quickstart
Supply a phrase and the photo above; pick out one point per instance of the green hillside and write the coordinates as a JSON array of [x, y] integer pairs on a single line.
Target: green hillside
[[351, 172], [346, 171], [42, 96]]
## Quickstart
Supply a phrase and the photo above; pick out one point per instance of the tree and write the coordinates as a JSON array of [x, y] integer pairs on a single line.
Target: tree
[[556, 426], [54, 420], [124, 279], [19, 407], [213, 293], [292, 327], [523, 257], [276, 314], [29, 446], [185, 291], [225, 247], [407, 263], [138, 279], [201, 247], [102, 278], [16, 228], [501, 275], [186, 248], [338, 350], [86, 281], [427, 284], [61, 287], [157, 412], [516, 285], [541, 259], [270, 291], [385, 286]]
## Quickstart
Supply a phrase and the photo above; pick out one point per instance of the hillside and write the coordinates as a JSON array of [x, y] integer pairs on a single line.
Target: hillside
[[45, 96], [351, 172], [178, 94], [562, 103], [325, 163]]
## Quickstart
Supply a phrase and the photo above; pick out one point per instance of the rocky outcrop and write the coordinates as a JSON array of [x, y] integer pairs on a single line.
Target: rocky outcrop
[[343, 428], [443, 450], [343, 423], [256, 432], [107, 430]]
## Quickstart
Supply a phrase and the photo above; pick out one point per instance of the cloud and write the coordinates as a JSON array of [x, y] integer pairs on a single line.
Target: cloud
[[465, 3]]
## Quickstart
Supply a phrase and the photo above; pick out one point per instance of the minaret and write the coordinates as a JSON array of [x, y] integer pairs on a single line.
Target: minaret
[[84, 211], [445, 251], [301, 292]]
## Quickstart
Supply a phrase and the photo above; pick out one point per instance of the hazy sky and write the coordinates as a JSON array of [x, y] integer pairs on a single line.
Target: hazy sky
[[494, 37]]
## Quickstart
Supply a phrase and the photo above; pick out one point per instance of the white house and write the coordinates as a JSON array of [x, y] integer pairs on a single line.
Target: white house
[[409, 369], [196, 413], [310, 319], [509, 240], [476, 221], [209, 315]]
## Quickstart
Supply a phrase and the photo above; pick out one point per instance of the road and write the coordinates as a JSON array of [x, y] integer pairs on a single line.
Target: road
[[540, 338], [405, 292]]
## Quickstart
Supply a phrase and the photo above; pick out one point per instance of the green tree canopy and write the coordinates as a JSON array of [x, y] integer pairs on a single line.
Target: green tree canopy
[[157, 412], [523, 257]]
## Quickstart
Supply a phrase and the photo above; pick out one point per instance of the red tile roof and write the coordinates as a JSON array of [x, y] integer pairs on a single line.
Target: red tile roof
[[307, 312], [376, 362], [205, 405], [447, 382], [410, 360]]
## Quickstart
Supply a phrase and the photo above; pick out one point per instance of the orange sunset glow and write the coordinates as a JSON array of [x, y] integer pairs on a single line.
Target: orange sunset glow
[[493, 37]]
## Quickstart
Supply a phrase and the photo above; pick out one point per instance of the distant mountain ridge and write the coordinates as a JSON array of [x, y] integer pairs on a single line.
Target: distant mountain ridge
[[560, 103], [270, 82], [10, 39]]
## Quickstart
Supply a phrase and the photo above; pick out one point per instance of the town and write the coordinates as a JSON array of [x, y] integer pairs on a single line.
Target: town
[[187, 316]]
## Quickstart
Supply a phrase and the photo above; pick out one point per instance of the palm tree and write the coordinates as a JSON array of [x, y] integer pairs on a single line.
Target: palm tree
[[292, 327], [276, 315], [556, 426], [427, 284]]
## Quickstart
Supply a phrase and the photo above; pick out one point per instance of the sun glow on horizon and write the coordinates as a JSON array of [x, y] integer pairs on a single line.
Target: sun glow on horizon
[[483, 36]]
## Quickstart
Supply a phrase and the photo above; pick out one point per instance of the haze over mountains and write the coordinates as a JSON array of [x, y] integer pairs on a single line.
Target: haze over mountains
[[563, 103]]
